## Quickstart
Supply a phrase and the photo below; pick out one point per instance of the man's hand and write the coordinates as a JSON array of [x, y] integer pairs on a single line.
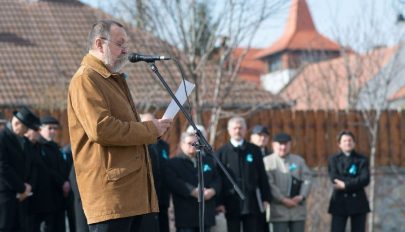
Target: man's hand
[[162, 125], [209, 193], [297, 199], [66, 188], [220, 209], [339, 184], [28, 192], [266, 204], [194, 192], [288, 203]]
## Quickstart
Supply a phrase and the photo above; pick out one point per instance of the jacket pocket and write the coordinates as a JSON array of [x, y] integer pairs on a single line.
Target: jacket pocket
[[122, 162], [114, 174]]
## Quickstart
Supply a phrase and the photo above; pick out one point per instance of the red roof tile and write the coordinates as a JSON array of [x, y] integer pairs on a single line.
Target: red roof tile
[[250, 67]]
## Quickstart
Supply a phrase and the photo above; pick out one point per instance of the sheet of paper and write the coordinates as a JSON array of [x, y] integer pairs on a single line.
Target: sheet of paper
[[173, 108]]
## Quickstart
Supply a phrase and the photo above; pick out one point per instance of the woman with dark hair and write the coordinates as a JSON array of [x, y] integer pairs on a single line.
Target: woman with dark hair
[[350, 174]]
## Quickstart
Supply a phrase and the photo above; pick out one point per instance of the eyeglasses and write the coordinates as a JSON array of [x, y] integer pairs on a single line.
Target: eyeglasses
[[121, 46], [189, 143]]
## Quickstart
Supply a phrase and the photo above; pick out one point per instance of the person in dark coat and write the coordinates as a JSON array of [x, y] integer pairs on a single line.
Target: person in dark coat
[[41, 204], [183, 176], [57, 166], [80, 219], [244, 162], [15, 186], [159, 155], [260, 137], [70, 199], [350, 174]]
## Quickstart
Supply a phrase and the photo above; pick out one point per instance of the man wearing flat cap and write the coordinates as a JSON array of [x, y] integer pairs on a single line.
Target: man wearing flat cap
[[290, 182], [58, 171], [15, 167]]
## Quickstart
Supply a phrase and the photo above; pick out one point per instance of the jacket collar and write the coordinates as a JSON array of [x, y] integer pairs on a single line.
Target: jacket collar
[[237, 143], [184, 156], [241, 147], [352, 154], [188, 158], [98, 66]]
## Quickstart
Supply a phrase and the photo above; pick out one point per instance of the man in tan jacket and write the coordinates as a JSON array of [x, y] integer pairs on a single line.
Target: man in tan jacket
[[290, 182], [108, 139]]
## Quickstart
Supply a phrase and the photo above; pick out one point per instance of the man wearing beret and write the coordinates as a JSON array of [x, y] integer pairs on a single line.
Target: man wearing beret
[[15, 186], [290, 182]]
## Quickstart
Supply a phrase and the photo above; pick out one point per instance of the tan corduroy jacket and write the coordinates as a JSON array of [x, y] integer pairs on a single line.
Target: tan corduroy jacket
[[108, 140]]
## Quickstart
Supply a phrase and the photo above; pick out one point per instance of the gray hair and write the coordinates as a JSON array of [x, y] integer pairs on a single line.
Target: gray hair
[[100, 29], [185, 135], [237, 120]]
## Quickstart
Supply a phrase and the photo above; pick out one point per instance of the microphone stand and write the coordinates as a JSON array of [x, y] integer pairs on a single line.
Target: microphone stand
[[203, 147]]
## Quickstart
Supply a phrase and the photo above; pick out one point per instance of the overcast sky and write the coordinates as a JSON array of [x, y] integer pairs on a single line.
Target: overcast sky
[[334, 18]]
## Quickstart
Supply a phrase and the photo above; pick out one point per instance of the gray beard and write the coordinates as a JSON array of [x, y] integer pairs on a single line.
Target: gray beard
[[119, 63]]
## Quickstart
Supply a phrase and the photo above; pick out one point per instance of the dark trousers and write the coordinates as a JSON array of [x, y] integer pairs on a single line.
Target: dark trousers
[[47, 218], [150, 223], [290, 226], [70, 210], [249, 223], [80, 218], [194, 229], [11, 216], [163, 220], [60, 224], [128, 224], [263, 224], [357, 222]]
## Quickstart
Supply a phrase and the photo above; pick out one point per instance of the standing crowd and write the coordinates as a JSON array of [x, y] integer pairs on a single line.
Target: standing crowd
[[118, 174], [38, 188]]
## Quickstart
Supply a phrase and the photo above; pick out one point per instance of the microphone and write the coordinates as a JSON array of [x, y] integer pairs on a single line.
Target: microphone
[[135, 57]]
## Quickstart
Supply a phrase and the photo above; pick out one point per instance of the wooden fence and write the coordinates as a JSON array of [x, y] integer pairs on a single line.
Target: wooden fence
[[314, 132]]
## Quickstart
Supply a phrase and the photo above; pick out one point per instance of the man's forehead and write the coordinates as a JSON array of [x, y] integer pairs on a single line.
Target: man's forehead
[[237, 124], [190, 138], [118, 32]]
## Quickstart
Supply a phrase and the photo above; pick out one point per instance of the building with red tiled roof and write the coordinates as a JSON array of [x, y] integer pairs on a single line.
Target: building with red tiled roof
[[300, 34], [250, 67], [339, 83], [314, 72], [300, 44], [42, 43]]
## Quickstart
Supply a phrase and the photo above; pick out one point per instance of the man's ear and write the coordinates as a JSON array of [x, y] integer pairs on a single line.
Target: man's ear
[[98, 44]]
